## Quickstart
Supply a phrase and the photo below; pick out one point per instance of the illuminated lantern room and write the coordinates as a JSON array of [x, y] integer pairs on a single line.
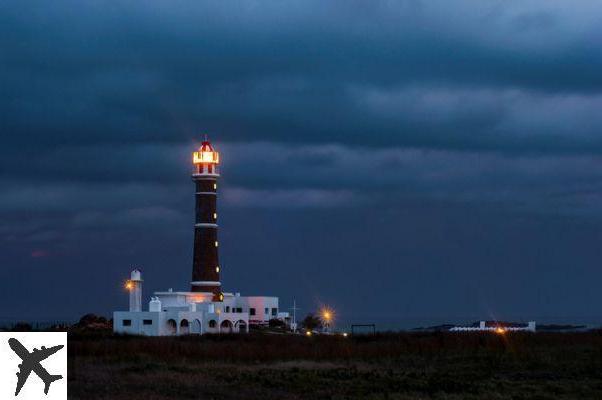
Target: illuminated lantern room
[[206, 159]]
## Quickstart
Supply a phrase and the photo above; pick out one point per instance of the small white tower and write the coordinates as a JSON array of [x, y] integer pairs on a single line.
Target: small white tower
[[134, 285]]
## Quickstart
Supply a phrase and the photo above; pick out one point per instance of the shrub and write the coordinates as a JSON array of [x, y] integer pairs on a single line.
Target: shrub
[[276, 323], [311, 322]]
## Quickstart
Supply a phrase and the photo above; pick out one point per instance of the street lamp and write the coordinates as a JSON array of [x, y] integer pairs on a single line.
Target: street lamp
[[327, 315]]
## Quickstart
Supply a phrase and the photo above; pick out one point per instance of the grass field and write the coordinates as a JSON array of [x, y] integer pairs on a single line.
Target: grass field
[[388, 366]]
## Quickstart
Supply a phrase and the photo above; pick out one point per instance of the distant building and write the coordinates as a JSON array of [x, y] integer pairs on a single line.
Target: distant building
[[496, 327], [206, 308]]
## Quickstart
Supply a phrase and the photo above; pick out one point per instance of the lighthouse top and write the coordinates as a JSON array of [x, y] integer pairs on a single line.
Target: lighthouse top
[[206, 154]]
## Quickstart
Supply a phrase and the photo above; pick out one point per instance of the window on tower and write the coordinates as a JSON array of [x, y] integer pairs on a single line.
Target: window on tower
[[127, 322], [216, 244], [217, 269]]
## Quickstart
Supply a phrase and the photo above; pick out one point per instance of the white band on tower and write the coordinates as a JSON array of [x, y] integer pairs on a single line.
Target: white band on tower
[[206, 283], [205, 225]]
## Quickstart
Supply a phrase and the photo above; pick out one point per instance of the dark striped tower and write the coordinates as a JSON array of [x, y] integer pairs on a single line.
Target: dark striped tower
[[205, 264]]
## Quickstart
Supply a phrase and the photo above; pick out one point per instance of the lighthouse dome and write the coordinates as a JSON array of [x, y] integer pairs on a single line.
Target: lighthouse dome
[[206, 154]]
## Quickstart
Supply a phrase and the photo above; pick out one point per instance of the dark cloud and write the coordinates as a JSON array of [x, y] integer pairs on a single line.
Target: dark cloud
[[123, 73], [417, 140]]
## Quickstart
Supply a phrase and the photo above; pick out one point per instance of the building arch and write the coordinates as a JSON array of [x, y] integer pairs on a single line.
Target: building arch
[[196, 327], [212, 326], [226, 326], [184, 327], [241, 326], [172, 327]]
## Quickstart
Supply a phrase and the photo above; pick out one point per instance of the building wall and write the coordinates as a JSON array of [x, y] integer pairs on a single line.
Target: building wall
[[176, 322], [231, 315], [137, 324], [257, 305]]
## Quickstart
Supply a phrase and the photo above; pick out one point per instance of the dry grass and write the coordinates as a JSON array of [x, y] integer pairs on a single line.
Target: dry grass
[[397, 366]]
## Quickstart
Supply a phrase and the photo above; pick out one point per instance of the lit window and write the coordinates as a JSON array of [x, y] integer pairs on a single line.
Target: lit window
[[216, 244], [217, 269], [214, 215], [215, 186], [221, 297]]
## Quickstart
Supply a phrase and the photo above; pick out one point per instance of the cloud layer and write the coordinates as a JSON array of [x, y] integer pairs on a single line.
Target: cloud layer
[[384, 113]]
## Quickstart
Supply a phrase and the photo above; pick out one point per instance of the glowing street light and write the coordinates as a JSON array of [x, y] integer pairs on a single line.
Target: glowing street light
[[129, 285], [327, 315]]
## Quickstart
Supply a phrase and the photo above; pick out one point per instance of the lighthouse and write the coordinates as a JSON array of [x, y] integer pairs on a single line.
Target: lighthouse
[[205, 260], [206, 308]]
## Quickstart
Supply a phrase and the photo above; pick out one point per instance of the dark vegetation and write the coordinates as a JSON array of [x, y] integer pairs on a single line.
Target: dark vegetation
[[435, 365], [87, 323], [311, 322]]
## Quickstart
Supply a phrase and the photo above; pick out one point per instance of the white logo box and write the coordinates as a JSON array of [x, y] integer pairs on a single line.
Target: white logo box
[[55, 364]]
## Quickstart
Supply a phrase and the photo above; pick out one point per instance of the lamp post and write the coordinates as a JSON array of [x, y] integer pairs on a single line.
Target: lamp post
[[294, 308]]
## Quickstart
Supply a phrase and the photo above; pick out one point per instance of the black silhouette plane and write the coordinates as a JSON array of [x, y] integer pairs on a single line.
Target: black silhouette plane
[[31, 362]]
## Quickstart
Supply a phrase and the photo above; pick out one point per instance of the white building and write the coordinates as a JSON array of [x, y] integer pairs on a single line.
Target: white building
[[529, 327], [181, 313], [206, 308]]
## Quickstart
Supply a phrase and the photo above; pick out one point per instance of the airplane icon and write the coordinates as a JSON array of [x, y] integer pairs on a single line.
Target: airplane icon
[[31, 362]]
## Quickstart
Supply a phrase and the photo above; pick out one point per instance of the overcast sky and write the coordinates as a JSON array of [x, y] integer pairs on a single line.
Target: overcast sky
[[393, 159]]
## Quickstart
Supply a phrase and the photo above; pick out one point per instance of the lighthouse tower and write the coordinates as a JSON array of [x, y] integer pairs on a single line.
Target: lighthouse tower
[[205, 264]]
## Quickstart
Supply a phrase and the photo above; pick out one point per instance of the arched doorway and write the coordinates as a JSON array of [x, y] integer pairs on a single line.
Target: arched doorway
[[212, 326], [184, 327], [225, 326], [196, 327], [241, 326], [172, 327]]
